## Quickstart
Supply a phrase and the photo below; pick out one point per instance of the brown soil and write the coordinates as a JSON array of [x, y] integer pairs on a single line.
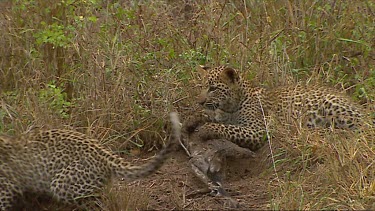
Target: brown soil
[[247, 182]]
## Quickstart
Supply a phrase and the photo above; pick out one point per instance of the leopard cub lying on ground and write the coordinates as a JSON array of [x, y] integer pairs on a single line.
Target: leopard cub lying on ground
[[66, 165], [237, 111]]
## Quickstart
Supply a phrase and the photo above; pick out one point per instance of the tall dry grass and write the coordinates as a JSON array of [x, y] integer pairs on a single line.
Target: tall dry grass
[[115, 69]]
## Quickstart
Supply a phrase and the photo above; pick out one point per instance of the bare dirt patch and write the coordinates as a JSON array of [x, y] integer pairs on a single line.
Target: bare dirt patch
[[247, 182]]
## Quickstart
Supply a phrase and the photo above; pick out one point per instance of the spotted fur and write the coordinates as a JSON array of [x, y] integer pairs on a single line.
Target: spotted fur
[[67, 165], [237, 111]]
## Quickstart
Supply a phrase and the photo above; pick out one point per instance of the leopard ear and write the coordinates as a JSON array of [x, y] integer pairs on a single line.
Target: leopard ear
[[229, 74]]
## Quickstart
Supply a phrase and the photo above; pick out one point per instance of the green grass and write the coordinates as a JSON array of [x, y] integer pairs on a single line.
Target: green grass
[[116, 69]]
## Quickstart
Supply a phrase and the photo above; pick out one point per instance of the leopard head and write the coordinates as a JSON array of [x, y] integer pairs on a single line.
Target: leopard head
[[222, 89]]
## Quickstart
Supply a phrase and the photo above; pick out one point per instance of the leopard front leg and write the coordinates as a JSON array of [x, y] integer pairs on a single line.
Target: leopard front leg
[[250, 137], [193, 122]]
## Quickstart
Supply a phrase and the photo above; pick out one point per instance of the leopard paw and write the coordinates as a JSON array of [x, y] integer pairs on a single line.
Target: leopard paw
[[192, 123]]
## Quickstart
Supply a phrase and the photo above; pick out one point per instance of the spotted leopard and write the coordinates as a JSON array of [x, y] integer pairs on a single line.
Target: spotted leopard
[[67, 165], [236, 110]]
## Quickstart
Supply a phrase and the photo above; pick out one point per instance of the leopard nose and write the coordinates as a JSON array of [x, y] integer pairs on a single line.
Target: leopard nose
[[202, 97], [201, 100]]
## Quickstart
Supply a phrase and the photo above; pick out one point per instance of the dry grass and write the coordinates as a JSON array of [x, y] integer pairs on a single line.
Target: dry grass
[[115, 69], [324, 169], [117, 197]]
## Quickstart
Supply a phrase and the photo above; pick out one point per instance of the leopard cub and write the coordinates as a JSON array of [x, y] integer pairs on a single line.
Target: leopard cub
[[67, 165], [237, 111]]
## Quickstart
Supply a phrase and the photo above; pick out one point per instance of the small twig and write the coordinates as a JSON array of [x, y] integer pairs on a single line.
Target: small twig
[[182, 144], [200, 191], [268, 138], [184, 147], [184, 191], [178, 100]]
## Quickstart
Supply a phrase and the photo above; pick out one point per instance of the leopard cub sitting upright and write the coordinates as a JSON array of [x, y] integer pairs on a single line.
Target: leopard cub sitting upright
[[237, 111], [67, 165]]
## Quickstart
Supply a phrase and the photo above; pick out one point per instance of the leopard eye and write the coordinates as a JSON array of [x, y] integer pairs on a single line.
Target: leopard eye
[[212, 88]]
